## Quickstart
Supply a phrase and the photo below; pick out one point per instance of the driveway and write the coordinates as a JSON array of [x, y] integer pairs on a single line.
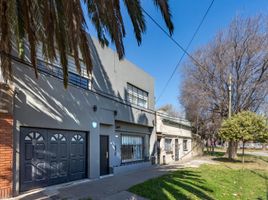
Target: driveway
[[113, 187]]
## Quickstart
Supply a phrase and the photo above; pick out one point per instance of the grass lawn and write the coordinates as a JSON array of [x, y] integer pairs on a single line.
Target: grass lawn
[[226, 180]]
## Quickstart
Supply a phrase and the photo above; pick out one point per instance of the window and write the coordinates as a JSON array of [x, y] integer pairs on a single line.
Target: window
[[131, 148], [56, 71], [137, 96], [168, 145], [185, 148]]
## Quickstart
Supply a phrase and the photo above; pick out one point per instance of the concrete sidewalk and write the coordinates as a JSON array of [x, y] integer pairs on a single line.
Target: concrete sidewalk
[[112, 187], [257, 153]]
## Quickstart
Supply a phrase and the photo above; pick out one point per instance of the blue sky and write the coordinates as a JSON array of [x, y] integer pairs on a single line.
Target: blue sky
[[158, 55]]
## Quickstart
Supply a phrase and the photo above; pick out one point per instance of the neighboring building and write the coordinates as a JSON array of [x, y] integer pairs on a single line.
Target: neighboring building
[[174, 138], [100, 125]]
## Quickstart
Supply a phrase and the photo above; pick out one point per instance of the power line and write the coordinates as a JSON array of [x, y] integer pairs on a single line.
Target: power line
[[185, 51], [181, 58]]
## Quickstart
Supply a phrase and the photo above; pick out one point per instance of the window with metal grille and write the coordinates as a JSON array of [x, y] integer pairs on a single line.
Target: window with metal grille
[[131, 148]]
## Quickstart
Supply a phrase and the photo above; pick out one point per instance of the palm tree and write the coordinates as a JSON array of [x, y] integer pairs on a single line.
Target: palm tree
[[59, 27]]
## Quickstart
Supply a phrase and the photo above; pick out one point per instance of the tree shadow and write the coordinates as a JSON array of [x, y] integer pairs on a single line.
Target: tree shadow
[[265, 177], [225, 160], [261, 158], [215, 153], [182, 184]]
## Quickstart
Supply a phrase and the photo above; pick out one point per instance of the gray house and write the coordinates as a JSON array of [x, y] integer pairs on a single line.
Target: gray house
[[100, 125]]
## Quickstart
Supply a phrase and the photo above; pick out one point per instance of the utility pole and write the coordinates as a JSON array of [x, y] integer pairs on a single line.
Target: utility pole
[[230, 96], [231, 143]]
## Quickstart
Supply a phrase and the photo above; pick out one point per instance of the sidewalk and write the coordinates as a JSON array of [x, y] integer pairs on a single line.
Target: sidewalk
[[112, 187]]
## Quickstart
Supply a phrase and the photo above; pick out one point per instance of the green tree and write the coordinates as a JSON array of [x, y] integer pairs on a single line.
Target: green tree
[[244, 126], [60, 26]]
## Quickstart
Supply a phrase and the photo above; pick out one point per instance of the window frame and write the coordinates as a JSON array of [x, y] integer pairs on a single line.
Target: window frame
[[168, 149], [57, 72], [185, 144], [125, 161], [137, 96]]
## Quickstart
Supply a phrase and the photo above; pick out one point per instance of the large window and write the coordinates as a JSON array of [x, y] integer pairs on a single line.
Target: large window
[[168, 145], [137, 96], [131, 148], [56, 71]]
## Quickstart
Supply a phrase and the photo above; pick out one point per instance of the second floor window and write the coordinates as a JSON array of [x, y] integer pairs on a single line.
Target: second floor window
[[56, 71], [137, 96]]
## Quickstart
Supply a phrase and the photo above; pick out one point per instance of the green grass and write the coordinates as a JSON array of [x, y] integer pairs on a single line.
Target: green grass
[[226, 181]]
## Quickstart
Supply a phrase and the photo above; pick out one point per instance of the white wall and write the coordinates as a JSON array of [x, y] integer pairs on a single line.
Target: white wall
[[170, 157], [172, 130]]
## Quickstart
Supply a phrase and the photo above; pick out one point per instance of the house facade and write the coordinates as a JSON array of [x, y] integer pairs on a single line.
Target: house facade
[[174, 138], [100, 125]]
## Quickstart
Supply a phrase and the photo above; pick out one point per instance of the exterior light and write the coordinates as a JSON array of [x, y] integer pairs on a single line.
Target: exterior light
[[94, 124]]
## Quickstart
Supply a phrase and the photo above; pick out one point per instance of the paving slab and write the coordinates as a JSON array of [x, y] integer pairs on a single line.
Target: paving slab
[[125, 195], [112, 187]]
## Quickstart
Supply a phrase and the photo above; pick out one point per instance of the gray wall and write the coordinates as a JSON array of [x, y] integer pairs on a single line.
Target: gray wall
[[44, 102], [111, 74]]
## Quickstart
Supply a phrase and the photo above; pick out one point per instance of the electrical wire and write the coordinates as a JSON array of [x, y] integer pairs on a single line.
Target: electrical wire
[[185, 51]]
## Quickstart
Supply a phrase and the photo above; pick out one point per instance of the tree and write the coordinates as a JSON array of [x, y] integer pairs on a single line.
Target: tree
[[170, 110], [244, 126], [240, 50], [60, 26]]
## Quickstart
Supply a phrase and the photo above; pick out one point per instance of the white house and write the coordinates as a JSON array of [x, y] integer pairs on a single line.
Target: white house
[[174, 138]]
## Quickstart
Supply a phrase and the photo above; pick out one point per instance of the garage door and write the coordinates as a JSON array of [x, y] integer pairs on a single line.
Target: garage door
[[50, 157]]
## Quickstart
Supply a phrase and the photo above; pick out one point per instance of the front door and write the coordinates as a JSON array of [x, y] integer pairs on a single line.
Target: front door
[[158, 150], [177, 150], [104, 155]]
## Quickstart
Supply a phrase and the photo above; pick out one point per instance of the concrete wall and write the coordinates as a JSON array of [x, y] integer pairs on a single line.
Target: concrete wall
[[175, 129], [167, 158], [45, 103], [197, 146], [111, 75]]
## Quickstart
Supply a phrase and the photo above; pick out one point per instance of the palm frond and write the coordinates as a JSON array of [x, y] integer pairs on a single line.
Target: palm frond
[[5, 39], [61, 40], [59, 27], [165, 11], [135, 12]]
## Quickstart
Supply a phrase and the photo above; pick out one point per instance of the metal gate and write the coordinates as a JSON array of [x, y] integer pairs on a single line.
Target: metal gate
[[49, 157]]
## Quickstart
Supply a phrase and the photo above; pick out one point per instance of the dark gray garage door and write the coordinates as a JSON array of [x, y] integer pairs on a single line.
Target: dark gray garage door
[[50, 157]]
